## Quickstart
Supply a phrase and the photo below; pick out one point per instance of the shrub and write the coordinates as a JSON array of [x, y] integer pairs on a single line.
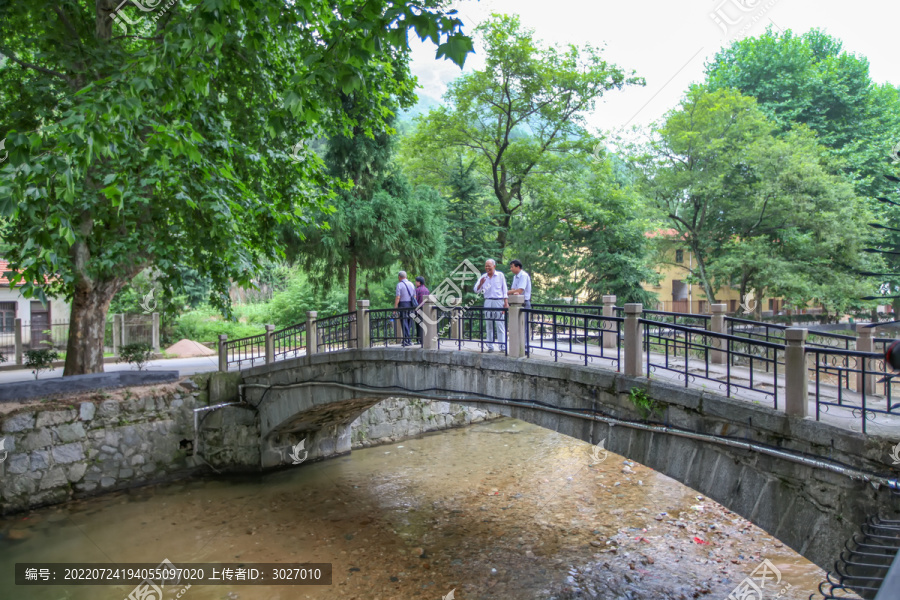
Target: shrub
[[40, 360], [647, 406], [135, 354]]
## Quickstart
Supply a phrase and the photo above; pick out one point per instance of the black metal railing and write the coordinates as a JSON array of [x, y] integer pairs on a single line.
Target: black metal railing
[[860, 381], [289, 341], [578, 309], [688, 351], [675, 318], [248, 349], [386, 326], [593, 337], [336, 333], [462, 327], [771, 332]]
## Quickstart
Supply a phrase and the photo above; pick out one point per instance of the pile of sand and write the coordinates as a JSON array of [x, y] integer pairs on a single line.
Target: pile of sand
[[188, 349]]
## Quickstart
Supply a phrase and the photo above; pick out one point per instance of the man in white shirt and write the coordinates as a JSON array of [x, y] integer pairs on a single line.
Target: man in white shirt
[[521, 285], [496, 295], [405, 299]]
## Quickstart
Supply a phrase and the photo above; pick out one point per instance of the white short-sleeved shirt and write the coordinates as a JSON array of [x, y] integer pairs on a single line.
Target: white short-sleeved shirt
[[494, 288], [522, 281]]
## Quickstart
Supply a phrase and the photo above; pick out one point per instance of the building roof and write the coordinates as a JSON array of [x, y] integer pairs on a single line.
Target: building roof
[[4, 269]]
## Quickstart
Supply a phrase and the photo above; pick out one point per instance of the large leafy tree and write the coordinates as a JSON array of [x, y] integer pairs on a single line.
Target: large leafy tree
[[153, 134], [759, 211], [527, 103]]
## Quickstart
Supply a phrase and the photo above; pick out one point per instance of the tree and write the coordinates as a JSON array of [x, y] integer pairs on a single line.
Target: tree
[[584, 235], [141, 137], [379, 218], [528, 102], [758, 211]]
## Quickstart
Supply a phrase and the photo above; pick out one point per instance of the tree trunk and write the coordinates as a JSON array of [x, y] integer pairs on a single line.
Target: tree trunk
[[87, 327], [351, 285], [502, 233]]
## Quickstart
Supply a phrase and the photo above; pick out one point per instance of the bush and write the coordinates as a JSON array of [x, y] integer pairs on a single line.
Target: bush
[[135, 354], [40, 360]]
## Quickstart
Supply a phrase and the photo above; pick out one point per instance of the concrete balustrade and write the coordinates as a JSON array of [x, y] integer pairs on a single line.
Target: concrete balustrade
[[717, 325], [516, 327], [610, 340]]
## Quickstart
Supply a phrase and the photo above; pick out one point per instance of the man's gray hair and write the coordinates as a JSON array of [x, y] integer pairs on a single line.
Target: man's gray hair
[[492, 261], [402, 274]]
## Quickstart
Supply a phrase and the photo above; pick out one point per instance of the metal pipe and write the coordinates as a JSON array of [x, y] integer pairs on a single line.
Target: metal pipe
[[875, 480]]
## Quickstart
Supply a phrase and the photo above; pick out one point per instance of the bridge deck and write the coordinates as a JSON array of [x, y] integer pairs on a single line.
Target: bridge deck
[[714, 378]]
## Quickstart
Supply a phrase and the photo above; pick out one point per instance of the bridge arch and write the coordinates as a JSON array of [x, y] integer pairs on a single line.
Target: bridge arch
[[807, 483]]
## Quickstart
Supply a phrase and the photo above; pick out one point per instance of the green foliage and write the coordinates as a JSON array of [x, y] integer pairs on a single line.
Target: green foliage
[[135, 354], [40, 359], [528, 103], [646, 406], [170, 146], [205, 323]]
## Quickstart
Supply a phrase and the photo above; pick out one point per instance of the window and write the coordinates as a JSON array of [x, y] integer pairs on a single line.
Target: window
[[7, 317], [679, 256], [733, 306]]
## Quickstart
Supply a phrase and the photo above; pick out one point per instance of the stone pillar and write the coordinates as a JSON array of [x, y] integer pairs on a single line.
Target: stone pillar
[[517, 327], [223, 353], [311, 337], [362, 324], [429, 324], [610, 340], [155, 333], [455, 319], [270, 344], [717, 325], [796, 376], [118, 333], [19, 347], [633, 347], [865, 343]]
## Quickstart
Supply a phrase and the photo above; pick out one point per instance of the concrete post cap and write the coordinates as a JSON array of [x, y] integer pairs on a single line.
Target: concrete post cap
[[795, 334], [718, 308], [516, 299], [223, 337], [430, 299], [634, 308], [609, 299], [270, 328], [312, 314], [863, 329], [362, 303]]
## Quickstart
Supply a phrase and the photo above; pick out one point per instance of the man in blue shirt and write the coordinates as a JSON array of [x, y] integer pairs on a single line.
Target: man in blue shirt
[[496, 295], [405, 300], [521, 285]]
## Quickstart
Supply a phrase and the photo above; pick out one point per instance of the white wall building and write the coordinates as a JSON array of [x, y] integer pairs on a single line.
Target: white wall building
[[37, 319]]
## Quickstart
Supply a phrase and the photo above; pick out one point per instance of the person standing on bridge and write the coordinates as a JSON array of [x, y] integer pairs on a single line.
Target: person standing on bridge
[[521, 285], [405, 301], [421, 293], [496, 295]]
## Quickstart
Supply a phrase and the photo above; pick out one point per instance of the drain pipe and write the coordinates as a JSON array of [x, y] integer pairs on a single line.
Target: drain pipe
[[875, 480]]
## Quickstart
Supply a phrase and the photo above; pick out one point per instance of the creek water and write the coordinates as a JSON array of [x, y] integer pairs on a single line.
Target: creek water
[[502, 509]]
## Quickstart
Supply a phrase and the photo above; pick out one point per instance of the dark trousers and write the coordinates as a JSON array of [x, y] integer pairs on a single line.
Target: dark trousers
[[406, 319]]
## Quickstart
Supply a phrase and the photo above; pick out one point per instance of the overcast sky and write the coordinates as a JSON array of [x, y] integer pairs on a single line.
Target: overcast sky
[[668, 43]]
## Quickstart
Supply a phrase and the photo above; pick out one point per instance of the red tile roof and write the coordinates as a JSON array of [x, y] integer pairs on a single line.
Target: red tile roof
[[4, 268]]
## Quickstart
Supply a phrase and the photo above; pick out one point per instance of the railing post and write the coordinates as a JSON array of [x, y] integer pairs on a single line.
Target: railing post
[[609, 310], [311, 334], [517, 326], [19, 348], [270, 344], [362, 324], [633, 349], [455, 319], [154, 336], [796, 376], [223, 353], [118, 333], [429, 324], [717, 325], [398, 325], [865, 343]]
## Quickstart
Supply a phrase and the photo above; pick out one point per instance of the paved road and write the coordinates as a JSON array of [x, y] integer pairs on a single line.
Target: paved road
[[185, 366]]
